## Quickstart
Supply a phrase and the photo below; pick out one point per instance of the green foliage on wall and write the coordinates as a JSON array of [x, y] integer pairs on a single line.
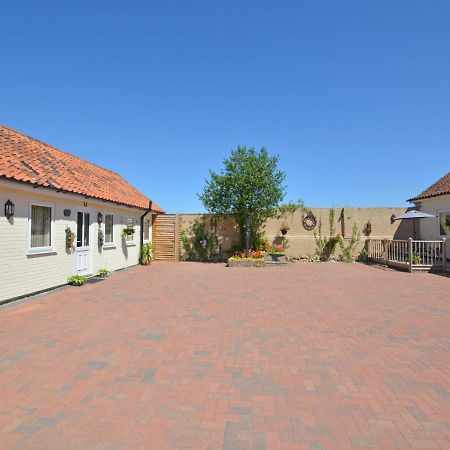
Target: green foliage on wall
[[349, 247], [201, 242], [325, 246]]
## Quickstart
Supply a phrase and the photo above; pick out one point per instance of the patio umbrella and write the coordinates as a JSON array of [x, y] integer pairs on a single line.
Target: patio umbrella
[[413, 214]]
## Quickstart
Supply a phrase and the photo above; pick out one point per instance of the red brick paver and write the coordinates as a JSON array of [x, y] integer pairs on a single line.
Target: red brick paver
[[199, 356]]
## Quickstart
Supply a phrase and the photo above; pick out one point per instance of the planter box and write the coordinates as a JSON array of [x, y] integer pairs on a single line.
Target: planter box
[[246, 263], [275, 258]]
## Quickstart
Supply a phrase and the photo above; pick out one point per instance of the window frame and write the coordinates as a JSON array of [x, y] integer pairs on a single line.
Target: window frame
[[50, 248], [127, 220], [111, 244], [439, 212], [132, 241]]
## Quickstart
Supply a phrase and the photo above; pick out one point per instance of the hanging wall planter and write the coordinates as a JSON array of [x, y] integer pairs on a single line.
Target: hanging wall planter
[[128, 231], [101, 237], [367, 230], [284, 228], [70, 238]]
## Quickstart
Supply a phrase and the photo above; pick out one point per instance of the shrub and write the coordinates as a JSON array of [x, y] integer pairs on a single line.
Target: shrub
[[186, 244], [77, 280], [201, 242], [347, 250], [146, 254], [325, 245], [102, 273], [275, 248]]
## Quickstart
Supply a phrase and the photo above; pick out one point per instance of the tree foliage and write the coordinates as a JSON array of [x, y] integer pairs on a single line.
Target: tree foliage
[[249, 187]]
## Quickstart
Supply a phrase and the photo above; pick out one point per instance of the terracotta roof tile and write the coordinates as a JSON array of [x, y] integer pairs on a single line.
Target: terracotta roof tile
[[441, 187], [25, 159]]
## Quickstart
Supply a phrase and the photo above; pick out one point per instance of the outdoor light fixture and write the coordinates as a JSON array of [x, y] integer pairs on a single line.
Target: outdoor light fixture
[[393, 218], [9, 209], [99, 218]]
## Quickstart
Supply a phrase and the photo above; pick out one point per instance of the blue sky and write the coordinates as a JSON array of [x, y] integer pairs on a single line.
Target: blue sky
[[353, 95]]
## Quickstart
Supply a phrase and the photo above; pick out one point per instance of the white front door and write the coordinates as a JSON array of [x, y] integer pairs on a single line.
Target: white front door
[[84, 244]]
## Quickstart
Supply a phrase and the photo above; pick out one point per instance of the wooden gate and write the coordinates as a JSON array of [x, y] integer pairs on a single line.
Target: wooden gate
[[165, 236]]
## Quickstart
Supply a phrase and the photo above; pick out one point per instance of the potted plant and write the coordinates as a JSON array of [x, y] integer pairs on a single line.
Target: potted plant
[[102, 273], [367, 230], [364, 255], [101, 237], [76, 280], [275, 253], [416, 259], [128, 231], [247, 258], [146, 255], [70, 238], [284, 228]]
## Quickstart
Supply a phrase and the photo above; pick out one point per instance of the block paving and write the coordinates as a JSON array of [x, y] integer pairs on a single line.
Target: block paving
[[199, 356]]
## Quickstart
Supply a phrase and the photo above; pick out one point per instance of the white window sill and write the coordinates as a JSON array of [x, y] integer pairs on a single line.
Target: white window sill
[[106, 246], [41, 251], [130, 244]]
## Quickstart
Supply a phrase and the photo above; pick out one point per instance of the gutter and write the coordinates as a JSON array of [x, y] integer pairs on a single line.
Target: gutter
[[149, 210]]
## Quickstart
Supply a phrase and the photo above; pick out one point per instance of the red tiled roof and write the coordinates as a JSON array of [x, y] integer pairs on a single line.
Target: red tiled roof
[[441, 187], [25, 159]]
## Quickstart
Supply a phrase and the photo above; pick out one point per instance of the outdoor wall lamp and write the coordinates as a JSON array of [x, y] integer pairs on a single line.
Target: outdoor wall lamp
[[9, 209], [393, 218], [99, 218]]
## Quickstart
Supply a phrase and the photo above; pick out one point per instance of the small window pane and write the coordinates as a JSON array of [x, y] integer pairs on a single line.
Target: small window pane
[[444, 223], [109, 226], [41, 218], [146, 229], [79, 229], [86, 230]]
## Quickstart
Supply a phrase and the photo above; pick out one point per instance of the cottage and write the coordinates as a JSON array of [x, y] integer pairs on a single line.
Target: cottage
[[435, 200], [61, 216]]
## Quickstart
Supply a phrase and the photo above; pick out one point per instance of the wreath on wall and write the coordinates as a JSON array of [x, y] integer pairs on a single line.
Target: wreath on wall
[[309, 221]]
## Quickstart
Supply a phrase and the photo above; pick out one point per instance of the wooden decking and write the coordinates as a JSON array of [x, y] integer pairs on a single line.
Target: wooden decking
[[409, 254]]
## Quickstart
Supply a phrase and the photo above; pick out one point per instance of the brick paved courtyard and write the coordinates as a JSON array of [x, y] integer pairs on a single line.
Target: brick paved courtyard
[[196, 356]]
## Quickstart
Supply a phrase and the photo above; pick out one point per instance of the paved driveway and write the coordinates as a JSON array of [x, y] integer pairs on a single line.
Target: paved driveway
[[193, 356]]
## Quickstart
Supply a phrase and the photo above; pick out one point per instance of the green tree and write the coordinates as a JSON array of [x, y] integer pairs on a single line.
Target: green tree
[[249, 187]]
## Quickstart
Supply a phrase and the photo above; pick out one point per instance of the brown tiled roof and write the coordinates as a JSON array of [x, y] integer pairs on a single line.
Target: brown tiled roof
[[25, 159], [441, 187]]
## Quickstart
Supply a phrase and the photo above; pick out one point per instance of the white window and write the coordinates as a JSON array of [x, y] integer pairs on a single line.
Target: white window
[[109, 229], [147, 228], [129, 230], [444, 223], [41, 221]]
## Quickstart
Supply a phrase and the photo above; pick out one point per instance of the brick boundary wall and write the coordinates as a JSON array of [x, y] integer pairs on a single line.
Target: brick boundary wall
[[301, 242]]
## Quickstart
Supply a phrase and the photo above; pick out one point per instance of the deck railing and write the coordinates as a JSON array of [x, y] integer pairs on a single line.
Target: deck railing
[[409, 254]]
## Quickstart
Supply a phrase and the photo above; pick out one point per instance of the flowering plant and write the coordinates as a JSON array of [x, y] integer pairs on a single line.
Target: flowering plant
[[70, 238], [248, 254], [274, 248], [101, 237]]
